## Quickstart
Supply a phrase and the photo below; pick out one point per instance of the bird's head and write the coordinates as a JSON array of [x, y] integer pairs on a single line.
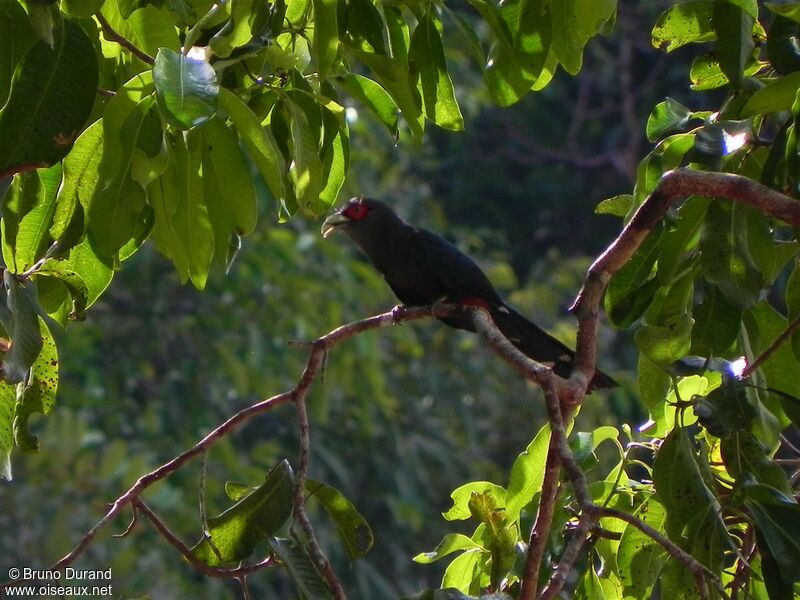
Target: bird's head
[[359, 215]]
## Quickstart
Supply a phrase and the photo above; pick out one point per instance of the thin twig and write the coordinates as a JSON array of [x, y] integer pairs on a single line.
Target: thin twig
[[112, 36], [314, 550], [777, 343]]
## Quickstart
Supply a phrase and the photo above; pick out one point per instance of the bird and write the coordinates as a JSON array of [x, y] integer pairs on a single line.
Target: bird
[[423, 268]]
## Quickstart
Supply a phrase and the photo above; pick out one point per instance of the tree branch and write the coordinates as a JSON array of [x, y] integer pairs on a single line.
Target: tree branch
[[674, 185], [319, 347], [112, 36], [544, 522]]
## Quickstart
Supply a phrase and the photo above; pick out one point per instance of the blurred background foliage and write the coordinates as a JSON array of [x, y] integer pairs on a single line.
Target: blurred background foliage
[[402, 416]]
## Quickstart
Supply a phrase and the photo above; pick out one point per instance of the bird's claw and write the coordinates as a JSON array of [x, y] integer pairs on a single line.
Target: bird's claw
[[397, 314]]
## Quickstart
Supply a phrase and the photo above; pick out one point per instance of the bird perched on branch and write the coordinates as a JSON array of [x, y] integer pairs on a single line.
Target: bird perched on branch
[[423, 268]]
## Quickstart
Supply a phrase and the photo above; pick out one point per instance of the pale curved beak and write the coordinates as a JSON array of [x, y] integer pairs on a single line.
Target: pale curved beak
[[331, 223]]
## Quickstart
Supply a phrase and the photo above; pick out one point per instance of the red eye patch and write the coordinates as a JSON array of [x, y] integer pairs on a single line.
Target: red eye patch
[[356, 211]]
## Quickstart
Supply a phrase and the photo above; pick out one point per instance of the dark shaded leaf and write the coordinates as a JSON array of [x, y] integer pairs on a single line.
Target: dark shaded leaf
[[117, 204], [734, 29], [717, 323], [21, 323], [52, 95], [301, 569]]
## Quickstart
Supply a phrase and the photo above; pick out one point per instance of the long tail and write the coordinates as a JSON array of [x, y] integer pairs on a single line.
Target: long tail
[[541, 346]]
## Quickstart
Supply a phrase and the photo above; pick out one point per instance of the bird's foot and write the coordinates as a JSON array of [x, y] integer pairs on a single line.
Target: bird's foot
[[438, 306], [397, 314]]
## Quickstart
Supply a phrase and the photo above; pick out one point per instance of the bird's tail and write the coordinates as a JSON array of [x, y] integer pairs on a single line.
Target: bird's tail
[[539, 345]]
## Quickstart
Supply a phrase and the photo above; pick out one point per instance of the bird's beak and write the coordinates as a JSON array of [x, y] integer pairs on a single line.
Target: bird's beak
[[331, 223]]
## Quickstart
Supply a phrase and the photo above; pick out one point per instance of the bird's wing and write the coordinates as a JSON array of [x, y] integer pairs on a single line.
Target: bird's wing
[[457, 273]]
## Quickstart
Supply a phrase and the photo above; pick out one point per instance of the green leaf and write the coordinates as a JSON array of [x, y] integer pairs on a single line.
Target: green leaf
[[779, 523], [462, 495], [667, 155], [717, 323], [653, 382], [681, 237], [595, 587], [335, 154], [745, 457], [62, 292], [639, 557], [80, 178], [374, 97], [118, 202], [183, 229], [668, 116], [237, 31], [684, 23], [301, 569], [785, 8], [527, 474], [725, 258], [734, 29], [258, 140], [676, 475], [764, 325], [395, 79], [8, 399], [186, 88], [52, 94], [365, 28], [149, 28], [227, 185], [632, 288], [428, 67], [95, 272], [619, 206], [353, 529], [452, 542], [305, 171], [27, 213], [776, 96], [460, 573], [664, 344], [16, 37], [326, 36], [81, 9], [38, 393], [235, 533], [574, 22], [22, 326]]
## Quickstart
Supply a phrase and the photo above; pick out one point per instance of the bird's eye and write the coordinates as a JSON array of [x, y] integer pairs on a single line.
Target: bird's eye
[[356, 212]]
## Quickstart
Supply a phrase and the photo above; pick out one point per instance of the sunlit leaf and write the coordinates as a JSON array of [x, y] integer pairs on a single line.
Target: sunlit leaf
[[427, 64], [353, 529], [186, 88], [260, 514]]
